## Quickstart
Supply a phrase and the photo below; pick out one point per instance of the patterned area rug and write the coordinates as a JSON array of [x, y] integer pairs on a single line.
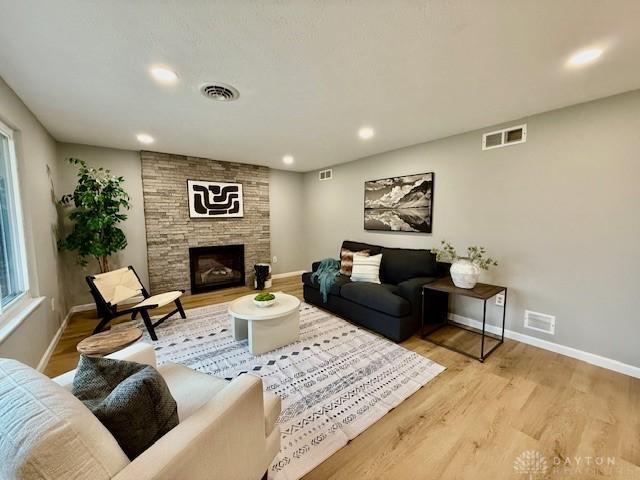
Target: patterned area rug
[[335, 382]]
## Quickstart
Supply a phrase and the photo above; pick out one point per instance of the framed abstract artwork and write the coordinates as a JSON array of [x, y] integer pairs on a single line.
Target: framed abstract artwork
[[399, 204], [214, 199]]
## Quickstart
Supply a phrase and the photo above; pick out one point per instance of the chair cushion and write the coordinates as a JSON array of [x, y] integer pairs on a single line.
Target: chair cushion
[[380, 297], [131, 399], [272, 408], [335, 288], [160, 300], [47, 433], [366, 268], [192, 389], [400, 264]]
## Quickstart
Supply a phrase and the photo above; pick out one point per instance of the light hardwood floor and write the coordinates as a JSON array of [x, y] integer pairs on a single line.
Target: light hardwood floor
[[473, 420]]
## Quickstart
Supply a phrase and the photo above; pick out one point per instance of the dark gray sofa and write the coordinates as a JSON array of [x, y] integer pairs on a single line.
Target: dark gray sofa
[[393, 308]]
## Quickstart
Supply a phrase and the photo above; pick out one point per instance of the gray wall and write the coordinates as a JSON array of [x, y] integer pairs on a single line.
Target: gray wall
[[125, 163], [287, 220], [36, 153], [560, 212]]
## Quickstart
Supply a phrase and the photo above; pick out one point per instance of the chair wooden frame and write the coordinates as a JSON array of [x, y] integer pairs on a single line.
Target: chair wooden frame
[[109, 311]]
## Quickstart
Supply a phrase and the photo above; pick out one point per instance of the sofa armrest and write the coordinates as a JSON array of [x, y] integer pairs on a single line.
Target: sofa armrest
[[411, 290], [225, 438], [314, 266], [138, 352]]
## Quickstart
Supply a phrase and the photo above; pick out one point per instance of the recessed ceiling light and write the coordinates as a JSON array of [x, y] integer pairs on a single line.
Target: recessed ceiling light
[[366, 132], [585, 56], [288, 159], [164, 75], [145, 138]]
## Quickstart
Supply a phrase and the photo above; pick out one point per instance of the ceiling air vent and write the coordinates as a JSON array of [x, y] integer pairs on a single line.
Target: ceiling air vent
[[504, 137], [325, 174], [540, 322], [219, 91]]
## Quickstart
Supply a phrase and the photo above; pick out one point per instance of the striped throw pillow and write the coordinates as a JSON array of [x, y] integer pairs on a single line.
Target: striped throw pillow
[[346, 260], [366, 268]]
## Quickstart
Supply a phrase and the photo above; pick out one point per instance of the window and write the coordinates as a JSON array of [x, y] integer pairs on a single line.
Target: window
[[13, 271]]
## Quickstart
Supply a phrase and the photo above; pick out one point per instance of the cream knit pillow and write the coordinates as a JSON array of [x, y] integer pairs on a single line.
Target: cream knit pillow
[[366, 268]]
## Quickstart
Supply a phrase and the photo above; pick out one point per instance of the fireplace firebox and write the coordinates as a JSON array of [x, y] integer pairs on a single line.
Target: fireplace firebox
[[216, 267]]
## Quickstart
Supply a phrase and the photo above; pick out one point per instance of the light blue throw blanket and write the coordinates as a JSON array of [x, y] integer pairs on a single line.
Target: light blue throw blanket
[[326, 274]]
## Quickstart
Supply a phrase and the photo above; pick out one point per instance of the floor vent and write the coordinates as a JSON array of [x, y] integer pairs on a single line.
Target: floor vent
[[540, 322], [325, 174], [504, 137]]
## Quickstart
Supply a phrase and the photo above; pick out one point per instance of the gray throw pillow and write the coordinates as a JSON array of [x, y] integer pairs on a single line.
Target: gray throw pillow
[[131, 400]]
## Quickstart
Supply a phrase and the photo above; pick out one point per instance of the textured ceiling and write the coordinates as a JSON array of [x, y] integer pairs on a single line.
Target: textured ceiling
[[310, 73]]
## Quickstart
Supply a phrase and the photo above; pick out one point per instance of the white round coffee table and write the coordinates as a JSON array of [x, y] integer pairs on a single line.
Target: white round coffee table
[[267, 328]]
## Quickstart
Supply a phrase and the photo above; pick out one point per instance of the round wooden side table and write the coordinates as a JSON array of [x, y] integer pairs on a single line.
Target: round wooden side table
[[104, 343]]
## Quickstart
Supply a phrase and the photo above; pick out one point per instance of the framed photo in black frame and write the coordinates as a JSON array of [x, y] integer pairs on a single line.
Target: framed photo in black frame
[[399, 204]]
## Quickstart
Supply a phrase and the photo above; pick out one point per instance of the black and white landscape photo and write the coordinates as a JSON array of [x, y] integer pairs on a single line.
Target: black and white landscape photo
[[399, 204]]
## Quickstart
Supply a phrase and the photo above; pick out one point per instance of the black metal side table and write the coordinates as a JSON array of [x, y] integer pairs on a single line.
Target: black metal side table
[[434, 319]]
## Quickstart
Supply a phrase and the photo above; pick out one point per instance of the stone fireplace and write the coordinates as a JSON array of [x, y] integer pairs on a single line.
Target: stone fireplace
[[216, 267], [171, 233]]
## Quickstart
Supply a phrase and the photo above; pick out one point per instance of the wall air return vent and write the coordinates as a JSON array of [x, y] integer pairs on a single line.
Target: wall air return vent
[[220, 92], [325, 174], [540, 322], [504, 137]]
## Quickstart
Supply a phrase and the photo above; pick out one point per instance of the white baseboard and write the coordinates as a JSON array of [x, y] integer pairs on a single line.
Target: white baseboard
[[54, 343], [592, 358], [288, 274]]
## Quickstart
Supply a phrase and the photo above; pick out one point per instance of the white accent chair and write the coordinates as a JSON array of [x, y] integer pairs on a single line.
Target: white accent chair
[[226, 430]]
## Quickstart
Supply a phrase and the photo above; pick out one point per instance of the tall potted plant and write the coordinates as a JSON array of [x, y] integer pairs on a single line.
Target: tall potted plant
[[97, 201], [465, 271]]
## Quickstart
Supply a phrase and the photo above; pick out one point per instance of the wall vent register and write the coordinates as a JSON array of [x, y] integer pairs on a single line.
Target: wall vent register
[[505, 137], [540, 322], [325, 174]]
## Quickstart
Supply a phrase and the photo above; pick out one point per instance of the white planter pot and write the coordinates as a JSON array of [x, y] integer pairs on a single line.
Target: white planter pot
[[464, 273]]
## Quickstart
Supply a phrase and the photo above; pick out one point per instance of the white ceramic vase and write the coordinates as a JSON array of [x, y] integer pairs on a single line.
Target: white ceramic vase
[[464, 273]]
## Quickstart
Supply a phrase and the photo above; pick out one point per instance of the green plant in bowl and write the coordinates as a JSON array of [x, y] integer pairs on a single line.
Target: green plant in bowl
[[264, 297]]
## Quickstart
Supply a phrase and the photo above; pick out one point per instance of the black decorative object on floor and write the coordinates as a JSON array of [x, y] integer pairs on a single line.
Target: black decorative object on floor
[[262, 273]]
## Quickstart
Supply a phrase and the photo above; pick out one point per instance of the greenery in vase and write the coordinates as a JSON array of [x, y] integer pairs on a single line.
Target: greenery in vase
[[476, 255], [97, 201]]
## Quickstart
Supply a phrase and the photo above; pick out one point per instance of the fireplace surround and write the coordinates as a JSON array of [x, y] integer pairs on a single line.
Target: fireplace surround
[[216, 266]]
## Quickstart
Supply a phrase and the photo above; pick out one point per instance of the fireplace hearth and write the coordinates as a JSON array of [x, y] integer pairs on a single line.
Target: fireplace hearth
[[215, 267]]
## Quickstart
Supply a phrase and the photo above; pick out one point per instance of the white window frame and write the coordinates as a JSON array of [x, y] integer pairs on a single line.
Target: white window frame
[[18, 304]]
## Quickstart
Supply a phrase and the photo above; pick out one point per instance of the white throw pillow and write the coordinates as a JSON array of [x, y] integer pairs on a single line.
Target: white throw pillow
[[47, 433], [365, 268]]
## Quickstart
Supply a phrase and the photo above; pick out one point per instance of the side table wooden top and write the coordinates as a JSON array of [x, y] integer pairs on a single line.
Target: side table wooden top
[[483, 291], [104, 343]]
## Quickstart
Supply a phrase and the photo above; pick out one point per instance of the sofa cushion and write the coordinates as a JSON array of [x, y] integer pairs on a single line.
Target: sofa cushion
[[400, 264], [335, 288], [47, 433], [366, 268], [131, 399], [346, 260], [380, 297], [358, 246]]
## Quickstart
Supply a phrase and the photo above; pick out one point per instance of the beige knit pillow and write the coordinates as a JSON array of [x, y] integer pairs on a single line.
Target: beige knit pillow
[[346, 260]]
